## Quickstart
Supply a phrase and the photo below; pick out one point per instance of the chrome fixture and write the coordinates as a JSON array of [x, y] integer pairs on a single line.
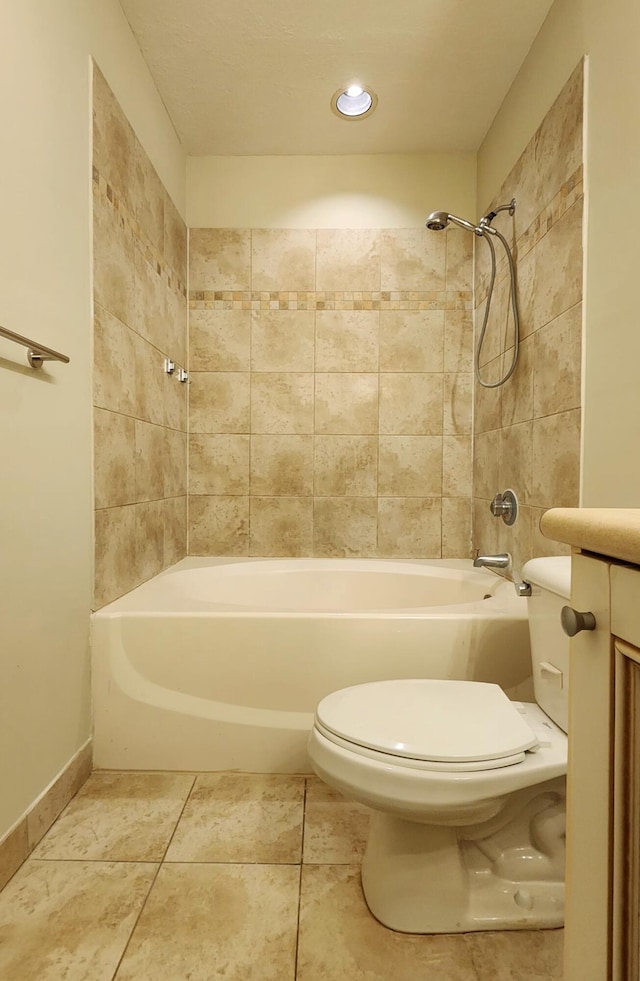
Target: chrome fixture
[[503, 561], [505, 506], [573, 622], [490, 215], [522, 588], [36, 353], [436, 222], [170, 368]]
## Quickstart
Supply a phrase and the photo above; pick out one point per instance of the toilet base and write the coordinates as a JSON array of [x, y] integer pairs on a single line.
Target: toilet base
[[507, 874]]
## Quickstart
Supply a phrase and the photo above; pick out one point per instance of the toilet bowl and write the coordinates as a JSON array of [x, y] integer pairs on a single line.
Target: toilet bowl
[[467, 788]]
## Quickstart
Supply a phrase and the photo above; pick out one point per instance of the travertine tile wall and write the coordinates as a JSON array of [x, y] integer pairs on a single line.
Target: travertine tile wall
[[527, 433], [330, 392], [331, 374], [140, 412]]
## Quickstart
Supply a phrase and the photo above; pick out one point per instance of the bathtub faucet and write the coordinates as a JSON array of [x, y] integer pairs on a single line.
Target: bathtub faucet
[[499, 562], [502, 561]]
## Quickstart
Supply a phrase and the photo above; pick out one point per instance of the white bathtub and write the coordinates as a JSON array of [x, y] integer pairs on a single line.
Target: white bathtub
[[219, 663]]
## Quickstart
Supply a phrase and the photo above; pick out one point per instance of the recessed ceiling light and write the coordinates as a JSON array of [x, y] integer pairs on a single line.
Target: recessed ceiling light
[[354, 102]]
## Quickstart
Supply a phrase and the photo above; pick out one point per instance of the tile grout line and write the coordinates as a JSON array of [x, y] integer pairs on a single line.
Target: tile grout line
[[248, 550], [304, 826], [378, 430], [134, 927], [173, 833], [315, 435], [133, 861], [153, 882]]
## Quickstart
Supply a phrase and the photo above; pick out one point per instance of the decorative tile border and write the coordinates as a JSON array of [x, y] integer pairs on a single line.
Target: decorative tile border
[[330, 300], [570, 192], [104, 191]]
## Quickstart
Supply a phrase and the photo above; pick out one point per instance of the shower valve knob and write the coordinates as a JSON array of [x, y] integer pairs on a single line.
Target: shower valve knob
[[499, 506], [505, 506]]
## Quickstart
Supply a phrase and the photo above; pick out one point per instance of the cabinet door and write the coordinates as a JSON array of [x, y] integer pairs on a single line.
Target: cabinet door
[[625, 624], [588, 945], [626, 833]]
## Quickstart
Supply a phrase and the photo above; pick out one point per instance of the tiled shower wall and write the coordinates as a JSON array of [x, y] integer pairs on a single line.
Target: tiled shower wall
[[527, 433], [331, 373], [330, 392], [140, 413]]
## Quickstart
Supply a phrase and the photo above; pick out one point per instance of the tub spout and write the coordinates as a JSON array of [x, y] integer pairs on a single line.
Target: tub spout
[[502, 561], [503, 565]]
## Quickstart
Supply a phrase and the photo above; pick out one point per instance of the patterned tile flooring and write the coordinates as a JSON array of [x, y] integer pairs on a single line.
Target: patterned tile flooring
[[245, 877]]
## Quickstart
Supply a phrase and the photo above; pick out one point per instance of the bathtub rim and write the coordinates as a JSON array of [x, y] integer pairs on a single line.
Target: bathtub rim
[[151, 597]]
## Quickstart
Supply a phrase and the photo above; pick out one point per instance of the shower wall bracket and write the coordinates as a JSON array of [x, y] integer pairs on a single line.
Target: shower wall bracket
[[171, 368], [505, 506]]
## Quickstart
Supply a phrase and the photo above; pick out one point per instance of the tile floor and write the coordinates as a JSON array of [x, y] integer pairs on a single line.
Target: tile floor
[[175, 876]]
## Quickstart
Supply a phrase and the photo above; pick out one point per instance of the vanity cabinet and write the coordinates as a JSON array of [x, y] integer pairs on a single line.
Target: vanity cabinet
[[602, 936]]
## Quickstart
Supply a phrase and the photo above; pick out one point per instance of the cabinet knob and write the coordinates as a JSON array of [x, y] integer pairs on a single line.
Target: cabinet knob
[[573, 621]]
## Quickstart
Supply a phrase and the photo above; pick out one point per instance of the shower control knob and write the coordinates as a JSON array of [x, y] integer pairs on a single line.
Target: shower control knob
[[498, 506], [505, 506], [573, 622]]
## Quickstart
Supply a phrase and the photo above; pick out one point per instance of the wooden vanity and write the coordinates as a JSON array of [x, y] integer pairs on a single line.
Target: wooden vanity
[[602, 937]]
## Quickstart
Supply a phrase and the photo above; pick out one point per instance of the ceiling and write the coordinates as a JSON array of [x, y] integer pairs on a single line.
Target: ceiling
[[256, 76]]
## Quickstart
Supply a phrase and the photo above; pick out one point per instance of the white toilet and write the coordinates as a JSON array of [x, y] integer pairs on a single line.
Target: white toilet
[[468, 788]]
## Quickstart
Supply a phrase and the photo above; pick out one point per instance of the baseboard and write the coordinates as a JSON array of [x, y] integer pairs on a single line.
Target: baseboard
[[18, 844]]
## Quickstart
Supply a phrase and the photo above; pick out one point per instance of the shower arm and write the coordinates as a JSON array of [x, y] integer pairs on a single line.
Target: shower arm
[[485, 221]]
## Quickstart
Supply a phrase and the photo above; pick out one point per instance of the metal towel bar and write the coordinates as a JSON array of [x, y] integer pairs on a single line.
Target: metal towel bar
[[37, 353]]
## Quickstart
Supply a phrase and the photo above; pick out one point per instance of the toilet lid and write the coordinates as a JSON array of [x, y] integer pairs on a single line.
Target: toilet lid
[[439, 721]]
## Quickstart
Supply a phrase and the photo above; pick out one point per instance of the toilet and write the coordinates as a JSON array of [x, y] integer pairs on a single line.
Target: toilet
[[467, 788]]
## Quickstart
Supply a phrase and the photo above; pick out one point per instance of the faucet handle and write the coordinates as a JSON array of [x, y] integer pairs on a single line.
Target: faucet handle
[[499, 506], [505, 506]]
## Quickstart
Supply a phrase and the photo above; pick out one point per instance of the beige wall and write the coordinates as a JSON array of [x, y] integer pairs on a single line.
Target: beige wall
[[608, 34], [527, 431], [140, 321], [330, 393], [45, 419], [368, 191]]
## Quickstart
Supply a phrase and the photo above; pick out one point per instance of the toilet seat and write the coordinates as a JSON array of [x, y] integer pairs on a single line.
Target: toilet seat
[[428, 724], [407, 762]]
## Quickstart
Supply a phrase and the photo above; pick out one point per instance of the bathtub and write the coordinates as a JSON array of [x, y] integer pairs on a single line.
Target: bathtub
[[218, 663]]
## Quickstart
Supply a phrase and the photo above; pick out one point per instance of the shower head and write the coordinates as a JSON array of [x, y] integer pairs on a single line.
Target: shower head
[[438, 220]]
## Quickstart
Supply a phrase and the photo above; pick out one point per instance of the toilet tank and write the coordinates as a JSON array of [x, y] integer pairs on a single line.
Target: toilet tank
[[550, 580]]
